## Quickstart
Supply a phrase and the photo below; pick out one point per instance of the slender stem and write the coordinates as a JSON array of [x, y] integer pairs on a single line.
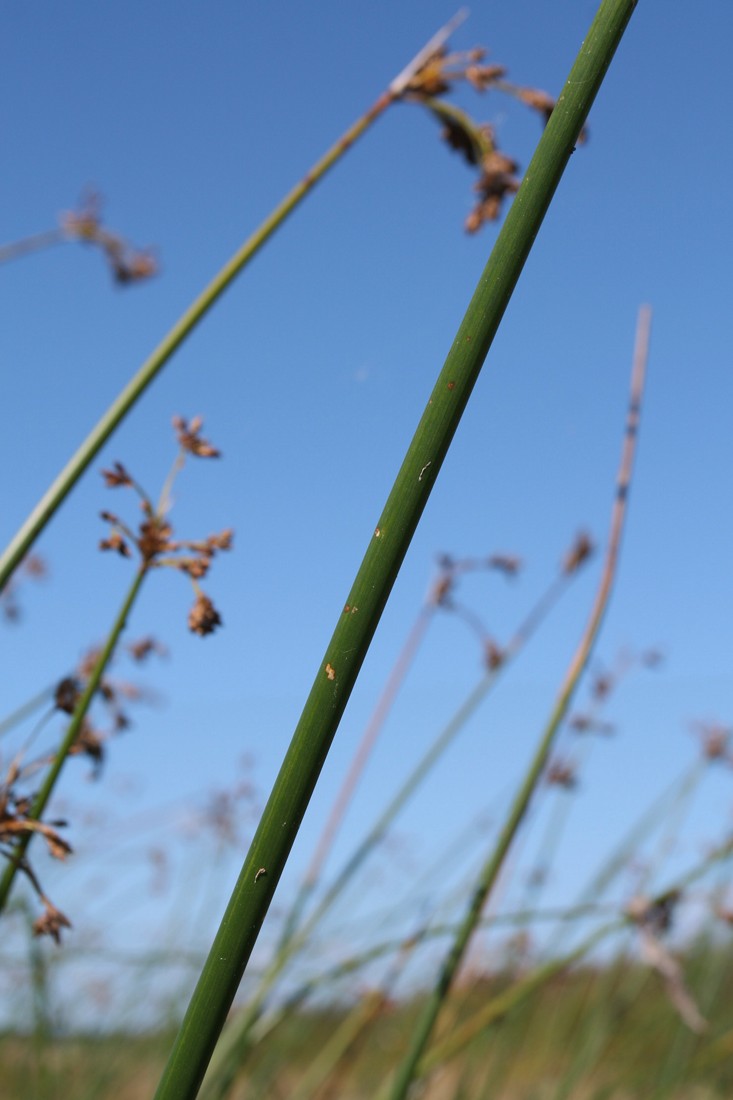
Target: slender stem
[[59, 489], [49, 781], [27, 708], [31, 244], [490, 872], [358, 620]]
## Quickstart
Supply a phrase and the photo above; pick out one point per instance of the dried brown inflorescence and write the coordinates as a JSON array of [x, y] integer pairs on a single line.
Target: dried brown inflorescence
[[562, 773], [715, 741], [33, 567], [127, 263], [476, 142], [603, 683], [154, 539], [17, 823], [203, 617], [653, 919], [115, 696], [190, 439], [582, 549], [442, 595]]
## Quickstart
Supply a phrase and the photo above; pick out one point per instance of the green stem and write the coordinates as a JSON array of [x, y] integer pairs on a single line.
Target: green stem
[[49, 781], [338, 671]]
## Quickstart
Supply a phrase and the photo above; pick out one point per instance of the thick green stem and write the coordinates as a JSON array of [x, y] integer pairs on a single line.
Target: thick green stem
[[358, 620], [80, 712]]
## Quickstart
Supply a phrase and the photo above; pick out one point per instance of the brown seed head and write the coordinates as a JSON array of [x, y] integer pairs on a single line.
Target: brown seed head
[[561, 773], [154, 538], [509, 564], [141, 650], [578, 553], [430, 80], [116, 542], [190, 440], [66, 695], [117, 476], [493, 655], [483, 76], [222, 541], [203, 617], [132, 266], [51, 922]]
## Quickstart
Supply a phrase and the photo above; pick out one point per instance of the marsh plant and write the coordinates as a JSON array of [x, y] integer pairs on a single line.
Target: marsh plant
[[444, 1025]]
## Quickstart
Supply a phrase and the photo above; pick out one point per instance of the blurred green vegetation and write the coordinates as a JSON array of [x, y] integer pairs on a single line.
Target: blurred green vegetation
[[605, 1030]]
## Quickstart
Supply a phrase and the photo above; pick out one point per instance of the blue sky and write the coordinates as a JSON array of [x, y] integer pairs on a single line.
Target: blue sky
[[193, 121]]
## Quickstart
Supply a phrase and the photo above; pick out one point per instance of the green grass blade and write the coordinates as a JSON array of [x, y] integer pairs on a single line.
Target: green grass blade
[[358, 620]]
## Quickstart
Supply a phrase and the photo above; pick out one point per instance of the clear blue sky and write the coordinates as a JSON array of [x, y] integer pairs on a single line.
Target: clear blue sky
[[192, 121]]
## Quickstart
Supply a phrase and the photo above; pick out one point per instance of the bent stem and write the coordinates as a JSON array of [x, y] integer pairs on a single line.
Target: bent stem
[[494, 864], [60, 488], [49, 782], [358, 620]]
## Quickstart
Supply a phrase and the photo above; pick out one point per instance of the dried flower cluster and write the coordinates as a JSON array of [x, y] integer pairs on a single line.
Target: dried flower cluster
[[17, 815], [562, 773], [715, 742], [579, 552], [602, 685], [33, 567], [653, 919], [115, 695], [16, 824], [476, 142], [442, 595], [154, 541], [127, 264]]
